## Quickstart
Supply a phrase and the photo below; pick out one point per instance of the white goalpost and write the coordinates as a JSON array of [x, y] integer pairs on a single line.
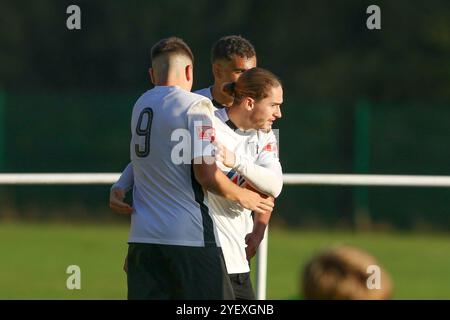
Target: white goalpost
[[289, 179]]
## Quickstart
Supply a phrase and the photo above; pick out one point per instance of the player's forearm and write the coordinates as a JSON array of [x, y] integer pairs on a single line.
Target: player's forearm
[[260, 222], [213, 180], [126, 179], [268, 181]]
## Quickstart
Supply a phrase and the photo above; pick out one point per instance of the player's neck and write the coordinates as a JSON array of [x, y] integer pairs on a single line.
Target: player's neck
[[172, 81], [220, 96], [238, 119]]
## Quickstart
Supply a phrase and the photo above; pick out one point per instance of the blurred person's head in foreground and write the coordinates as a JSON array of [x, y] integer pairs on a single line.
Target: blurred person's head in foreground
[[343, 273]]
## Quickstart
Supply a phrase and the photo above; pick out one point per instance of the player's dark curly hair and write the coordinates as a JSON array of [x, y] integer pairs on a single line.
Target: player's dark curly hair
[[228, 46]]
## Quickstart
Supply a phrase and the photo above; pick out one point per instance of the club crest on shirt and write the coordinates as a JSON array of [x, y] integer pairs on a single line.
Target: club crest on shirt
[[206, 133], [271, 147]]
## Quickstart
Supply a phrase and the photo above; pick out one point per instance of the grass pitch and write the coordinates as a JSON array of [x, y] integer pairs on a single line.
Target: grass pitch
[[34, 259]]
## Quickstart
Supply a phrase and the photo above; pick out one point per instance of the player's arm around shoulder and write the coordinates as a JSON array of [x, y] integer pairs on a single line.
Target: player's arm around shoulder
[[201, 106], [269, 158], [214, 180], [201, 126], [263, 173]]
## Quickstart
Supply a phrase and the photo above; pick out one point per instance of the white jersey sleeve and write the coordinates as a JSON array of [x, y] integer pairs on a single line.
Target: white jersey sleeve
[[201, 128], [126, 179], [265, 174]]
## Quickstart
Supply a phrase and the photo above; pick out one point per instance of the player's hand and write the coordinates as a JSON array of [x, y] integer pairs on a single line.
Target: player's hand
[[116, 202], [252, 240], [224, 155], [254, 201]]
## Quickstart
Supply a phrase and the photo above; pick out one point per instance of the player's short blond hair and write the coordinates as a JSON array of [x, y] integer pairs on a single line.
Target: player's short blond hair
[[341, 273], [171, 45]]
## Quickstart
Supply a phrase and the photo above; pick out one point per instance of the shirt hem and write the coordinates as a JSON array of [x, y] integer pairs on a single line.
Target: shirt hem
[[169, 242]]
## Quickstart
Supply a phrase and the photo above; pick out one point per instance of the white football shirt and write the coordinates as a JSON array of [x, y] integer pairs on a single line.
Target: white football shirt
[[170, 207], [259, 163]]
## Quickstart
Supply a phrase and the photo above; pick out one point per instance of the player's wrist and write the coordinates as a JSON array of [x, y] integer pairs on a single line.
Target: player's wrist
[[258, 232], [243, 195]]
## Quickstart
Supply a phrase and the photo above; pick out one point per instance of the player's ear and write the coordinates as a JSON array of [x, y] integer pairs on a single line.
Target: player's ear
[[189, 72], [152, 75], [249, 103]]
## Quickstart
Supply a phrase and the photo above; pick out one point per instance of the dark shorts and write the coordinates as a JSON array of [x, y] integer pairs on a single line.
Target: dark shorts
[[158, 271], [242, 286]]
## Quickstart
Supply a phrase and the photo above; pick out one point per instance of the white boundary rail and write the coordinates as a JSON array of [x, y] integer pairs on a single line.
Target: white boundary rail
[[289, 179]]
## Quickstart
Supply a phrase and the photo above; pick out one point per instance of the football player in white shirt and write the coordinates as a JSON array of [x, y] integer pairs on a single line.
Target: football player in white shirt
[[230, 57], [247, 154], [173, 248]]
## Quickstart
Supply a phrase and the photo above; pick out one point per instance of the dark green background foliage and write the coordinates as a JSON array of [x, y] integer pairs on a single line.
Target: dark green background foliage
[[69, 95]]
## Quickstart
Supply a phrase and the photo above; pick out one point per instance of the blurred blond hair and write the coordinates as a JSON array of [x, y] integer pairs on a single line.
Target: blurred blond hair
[[341, 273]]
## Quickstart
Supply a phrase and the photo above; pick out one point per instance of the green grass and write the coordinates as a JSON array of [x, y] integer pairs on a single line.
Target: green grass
[[34, 258], [419, 265]]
